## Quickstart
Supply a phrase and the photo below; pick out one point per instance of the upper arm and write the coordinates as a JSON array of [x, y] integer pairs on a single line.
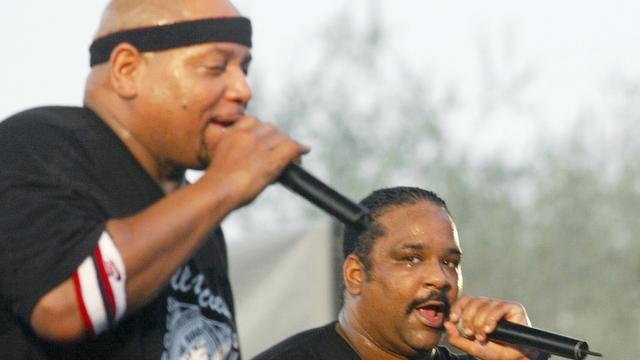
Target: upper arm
[[45, 240], [47, 228]]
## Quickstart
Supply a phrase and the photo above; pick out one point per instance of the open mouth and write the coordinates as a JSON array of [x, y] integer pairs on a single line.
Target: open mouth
[[432, 314], [221, 122], [224, 119]]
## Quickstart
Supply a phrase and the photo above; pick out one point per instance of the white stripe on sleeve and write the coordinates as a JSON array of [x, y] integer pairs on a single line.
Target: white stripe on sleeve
[[116, 272]]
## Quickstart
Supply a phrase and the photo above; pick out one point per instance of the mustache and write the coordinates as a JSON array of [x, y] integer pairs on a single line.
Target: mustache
[[434, 296]]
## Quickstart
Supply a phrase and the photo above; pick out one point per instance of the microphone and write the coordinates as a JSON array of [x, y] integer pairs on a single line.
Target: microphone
[[298, 180], [551, 343]]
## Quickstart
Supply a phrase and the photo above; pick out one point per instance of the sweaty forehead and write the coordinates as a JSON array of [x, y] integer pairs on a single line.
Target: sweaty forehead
[[420, 222], [127, 14]]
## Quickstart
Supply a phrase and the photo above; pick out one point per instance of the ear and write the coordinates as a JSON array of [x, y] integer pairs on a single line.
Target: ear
[[125, 63], [353, 274]]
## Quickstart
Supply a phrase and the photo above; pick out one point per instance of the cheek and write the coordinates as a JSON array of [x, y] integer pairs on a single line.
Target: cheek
[[175, 88]]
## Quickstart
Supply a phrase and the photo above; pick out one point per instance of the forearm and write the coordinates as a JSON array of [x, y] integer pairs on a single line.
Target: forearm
[[157, 241], [153, 244]]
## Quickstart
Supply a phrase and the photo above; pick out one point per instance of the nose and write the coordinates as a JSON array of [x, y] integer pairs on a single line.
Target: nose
[[238, 88], [436, 276]]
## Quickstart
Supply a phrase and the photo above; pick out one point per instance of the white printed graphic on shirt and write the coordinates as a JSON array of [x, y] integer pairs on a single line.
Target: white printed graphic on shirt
[[192, 336]]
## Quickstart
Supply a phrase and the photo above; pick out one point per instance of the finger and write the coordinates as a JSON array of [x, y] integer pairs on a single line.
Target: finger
[[515, 312], [245, 122], [265, 129], [457, 339], [482, 349], [281, 145], [456, 308], [465, 332], [471, 310], [495, 313], [289, 150], [487, 317], [304, 149], [453, 331], [273, 137]]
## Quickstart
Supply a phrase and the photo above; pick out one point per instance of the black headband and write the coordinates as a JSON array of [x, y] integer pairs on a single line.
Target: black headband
[[163, 37]]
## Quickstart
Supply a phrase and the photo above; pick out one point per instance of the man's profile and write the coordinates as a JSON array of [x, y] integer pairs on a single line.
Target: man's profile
[[105, 251]]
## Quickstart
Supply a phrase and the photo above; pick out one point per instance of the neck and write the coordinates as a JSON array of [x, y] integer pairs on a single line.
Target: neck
[[351, 329], [166, 175]]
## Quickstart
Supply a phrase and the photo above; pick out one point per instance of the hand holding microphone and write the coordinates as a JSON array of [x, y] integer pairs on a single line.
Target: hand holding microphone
[[493, 329]]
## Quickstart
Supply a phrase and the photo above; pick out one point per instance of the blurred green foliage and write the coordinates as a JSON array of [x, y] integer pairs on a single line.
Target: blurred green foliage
[[557, 233]]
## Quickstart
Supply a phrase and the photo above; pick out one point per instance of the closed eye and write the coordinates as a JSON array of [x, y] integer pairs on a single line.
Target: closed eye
[[213, 69]]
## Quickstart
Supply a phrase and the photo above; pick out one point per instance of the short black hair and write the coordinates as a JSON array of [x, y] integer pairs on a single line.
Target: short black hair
[[360, 241]]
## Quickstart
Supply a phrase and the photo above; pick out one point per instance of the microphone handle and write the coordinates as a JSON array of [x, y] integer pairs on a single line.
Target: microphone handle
[[516, 334], [298, 180]]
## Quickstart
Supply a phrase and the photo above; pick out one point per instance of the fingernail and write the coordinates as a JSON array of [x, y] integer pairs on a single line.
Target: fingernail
[[487, 328]]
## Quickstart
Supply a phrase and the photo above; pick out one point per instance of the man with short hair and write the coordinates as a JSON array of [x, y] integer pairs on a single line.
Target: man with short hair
[[402, 278], [105, 251]]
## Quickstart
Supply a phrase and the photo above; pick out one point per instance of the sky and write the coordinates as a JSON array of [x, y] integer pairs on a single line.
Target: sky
[[571, 49]]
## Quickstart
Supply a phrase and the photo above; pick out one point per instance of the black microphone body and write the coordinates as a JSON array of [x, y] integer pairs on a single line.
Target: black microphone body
[[298, 180], [551, 343]]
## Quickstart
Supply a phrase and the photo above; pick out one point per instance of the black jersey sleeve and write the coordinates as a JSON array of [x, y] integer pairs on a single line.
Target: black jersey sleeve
[[49, 218]]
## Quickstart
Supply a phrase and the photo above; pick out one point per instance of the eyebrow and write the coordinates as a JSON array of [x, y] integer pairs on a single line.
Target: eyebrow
[[230, 53], [422, 246]]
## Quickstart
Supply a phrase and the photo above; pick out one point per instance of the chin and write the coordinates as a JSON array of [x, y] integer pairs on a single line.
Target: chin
[[424, 340]]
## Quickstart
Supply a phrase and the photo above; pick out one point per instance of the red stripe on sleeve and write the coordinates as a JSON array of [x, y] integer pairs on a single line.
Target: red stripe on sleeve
[[83, 309], [105, 281]]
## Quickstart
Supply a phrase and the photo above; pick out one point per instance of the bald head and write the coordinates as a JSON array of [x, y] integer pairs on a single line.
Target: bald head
[[128, 14], [132, 48]]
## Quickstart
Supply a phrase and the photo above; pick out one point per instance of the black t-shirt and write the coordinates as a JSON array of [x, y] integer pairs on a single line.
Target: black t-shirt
[[63, 174], [324, 343]]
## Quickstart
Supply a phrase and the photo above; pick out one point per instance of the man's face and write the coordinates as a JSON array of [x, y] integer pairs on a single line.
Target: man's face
[[415, 275], [188, 96], [195, 94]]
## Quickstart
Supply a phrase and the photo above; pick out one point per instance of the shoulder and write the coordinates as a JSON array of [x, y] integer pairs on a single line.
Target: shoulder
[[43, 125], [51, 116], [48, 136], [318, 343]]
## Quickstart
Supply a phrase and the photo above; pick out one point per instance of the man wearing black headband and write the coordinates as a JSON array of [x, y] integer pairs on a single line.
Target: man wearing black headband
[[402, 277], [105, 252]]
